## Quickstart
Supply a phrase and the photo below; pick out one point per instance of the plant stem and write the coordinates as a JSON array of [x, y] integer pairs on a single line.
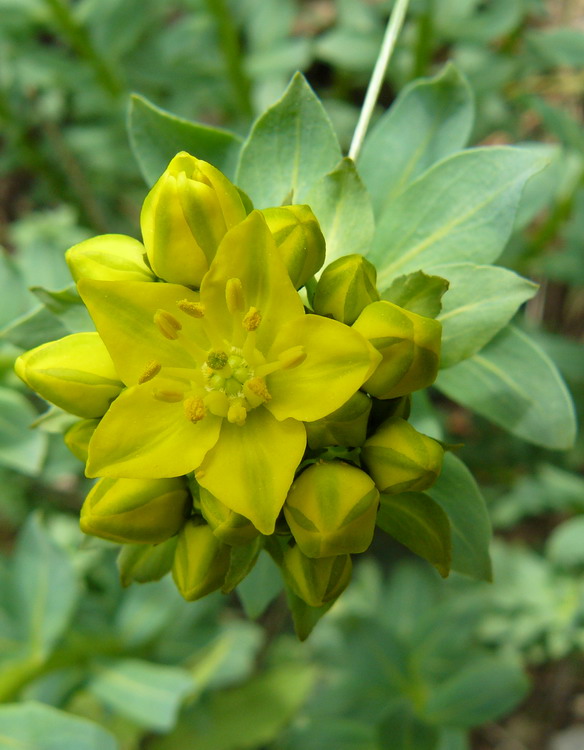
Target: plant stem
[[424, 41], [394, 25], [231, 49]]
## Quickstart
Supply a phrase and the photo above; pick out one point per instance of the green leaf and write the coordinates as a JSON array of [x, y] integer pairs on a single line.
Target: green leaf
[[343, 208], [45, 587], [248, 716], [67, 305], [35, 328], [480, 301], [460, 210], [418, 292], [430, 119], [15, 299], [304, 616], [457, 493], [558, 46], [290, 147], [33, 726], [565, 546], [147, 693], [484, 691], [453, 739], [420, 524], [261, 586], [157, 135], [320, 732], [515, 385], [402, 730], [21, 447]]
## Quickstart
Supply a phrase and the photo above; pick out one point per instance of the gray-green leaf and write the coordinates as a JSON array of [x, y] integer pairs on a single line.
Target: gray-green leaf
[[418, 292]]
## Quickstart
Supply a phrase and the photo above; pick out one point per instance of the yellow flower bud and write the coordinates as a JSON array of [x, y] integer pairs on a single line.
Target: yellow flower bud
[[201, 561], [401, 459], [345, 288], [185, 216], [331, 510], [300, 242], [145, 562], [78, 436], [228, 526], [135, 510], [345, 426], [316, 581], [109, 257], [409, 344], [75, 373]]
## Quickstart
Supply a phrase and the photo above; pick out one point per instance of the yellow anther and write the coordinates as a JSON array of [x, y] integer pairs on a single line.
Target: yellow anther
[[194, 309], [292, 357], [216, 360], [251, 319], [151, 371], [194, 409], [237, 413], [167, 324], [171, 397], [256, 392], [234, 296]]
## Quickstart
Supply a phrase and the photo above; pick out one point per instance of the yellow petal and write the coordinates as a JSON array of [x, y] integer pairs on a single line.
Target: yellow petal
[[109, 257], [145, 438], [123, 313], [248, 253], [252, 467], [338, 362]]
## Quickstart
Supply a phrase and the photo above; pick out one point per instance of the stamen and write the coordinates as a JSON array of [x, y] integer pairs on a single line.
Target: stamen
[[167, 324], [151, 371], [237, 413], [194, 309], [171, 397], [256, 392], [234, 296], [194, 409], [251, 319], [292, 357], [216, 360]]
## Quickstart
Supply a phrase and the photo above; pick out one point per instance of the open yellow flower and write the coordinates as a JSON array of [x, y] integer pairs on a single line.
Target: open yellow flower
[[220, 381]]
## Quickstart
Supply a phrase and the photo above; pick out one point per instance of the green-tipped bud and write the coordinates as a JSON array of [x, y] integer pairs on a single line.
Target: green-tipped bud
[[401, 459], [78, 436], [331, 510], [316, 581], [227, 525], [346, 426], [201, 561], [147, 511], [75, 373], [299, 239], [185, 216], [409, 344], [142, 563], [110, 257], [345, 288]]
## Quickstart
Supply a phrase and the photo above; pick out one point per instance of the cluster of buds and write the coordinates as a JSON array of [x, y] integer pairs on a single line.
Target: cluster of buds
[[222, 410]]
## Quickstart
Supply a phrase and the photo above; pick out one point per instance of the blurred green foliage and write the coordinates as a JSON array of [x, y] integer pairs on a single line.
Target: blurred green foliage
[[404, 660]]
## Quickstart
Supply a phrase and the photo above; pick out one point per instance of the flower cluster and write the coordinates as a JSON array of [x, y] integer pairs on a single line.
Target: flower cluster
[[224, 411]]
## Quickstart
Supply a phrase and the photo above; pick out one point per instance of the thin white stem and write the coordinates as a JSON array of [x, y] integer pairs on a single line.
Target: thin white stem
[[394, 25]]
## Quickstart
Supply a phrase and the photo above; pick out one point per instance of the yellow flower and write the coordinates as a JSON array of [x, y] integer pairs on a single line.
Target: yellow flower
[[220, 382]]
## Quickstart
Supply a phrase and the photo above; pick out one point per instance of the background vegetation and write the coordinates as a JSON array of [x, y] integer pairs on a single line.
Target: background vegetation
[[404, 660]]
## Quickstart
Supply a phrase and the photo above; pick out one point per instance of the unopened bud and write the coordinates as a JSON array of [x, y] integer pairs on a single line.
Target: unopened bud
[[299, 240], [345, 288], [135, 510], [331, 509], [109, 257], [228, 526], [78, 436], [401, 459], [201, 561], [185, 216], [409, 344], [145, 562], [75, 373], [316, 581], [346, 426]]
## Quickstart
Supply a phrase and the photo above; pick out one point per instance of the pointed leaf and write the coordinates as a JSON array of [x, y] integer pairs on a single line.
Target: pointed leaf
[[515, 385], [295, 142], [157, 135], [418, 293]]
